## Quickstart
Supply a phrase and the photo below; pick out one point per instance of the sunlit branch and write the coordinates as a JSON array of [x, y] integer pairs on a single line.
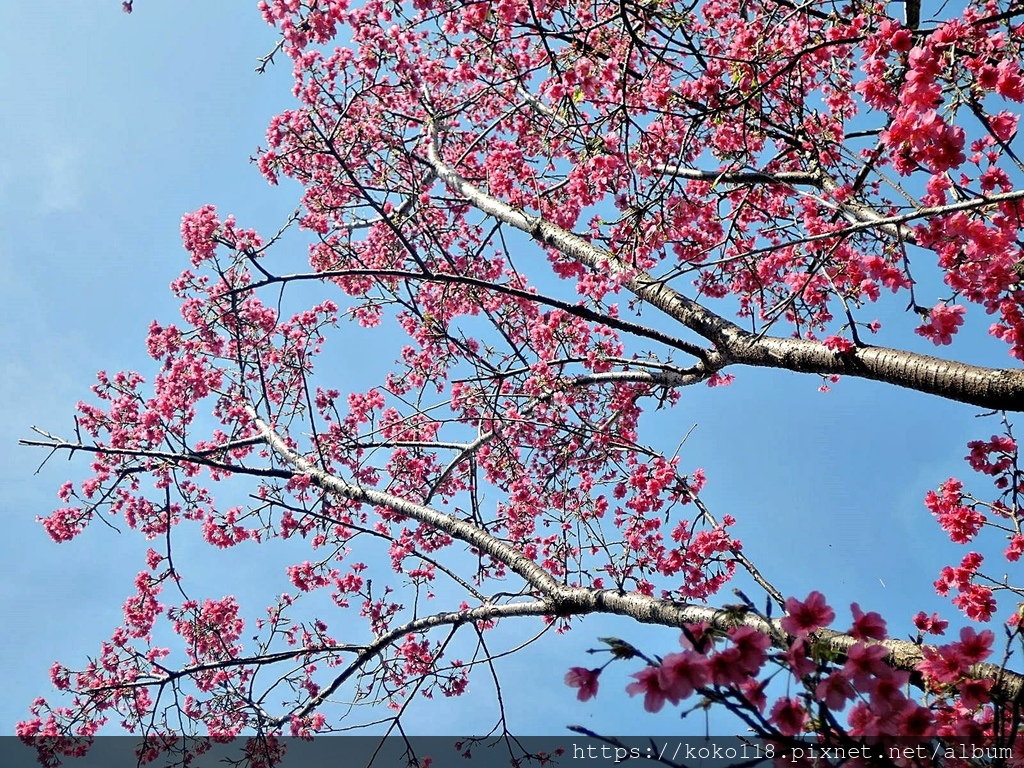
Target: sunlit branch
[[517, 562], [562, 600], [981, 201], [954, 380]]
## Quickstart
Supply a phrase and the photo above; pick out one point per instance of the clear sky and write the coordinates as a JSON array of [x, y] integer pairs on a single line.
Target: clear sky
[[116, 125]]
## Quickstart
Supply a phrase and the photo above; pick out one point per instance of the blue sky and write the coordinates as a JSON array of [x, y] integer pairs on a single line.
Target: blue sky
[[117, 125]]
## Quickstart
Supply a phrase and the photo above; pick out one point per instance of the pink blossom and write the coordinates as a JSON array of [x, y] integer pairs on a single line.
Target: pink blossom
[[753, 692], [932, 625], [804, 617], [198, 232], [975, 694], [911, 720], [798, 659], [838, 344], [864, 663], [977, 602], [867, 626], [1004, 125], [725, 667], [751, 646], [649, 682], [682, 673], [834, 690], [902, 40], [941, 666], [721, 379], [1010, 83], [974, 647], [1015, 549], [943, 323], [584, 679], [698, 637], [863, 720]]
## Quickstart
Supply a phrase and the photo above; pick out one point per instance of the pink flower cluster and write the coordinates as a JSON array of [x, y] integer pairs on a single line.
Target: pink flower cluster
[[965, 516], [975, 600], [943, 323], [962, 523]]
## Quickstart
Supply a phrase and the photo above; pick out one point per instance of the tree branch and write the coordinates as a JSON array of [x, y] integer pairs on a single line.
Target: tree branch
[[534, 575], [901, 654], [990, 388], [576, 310], [859, 212], [561, 600]]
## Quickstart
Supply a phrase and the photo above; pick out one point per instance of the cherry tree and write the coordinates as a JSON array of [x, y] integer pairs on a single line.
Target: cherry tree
[[572, 211]]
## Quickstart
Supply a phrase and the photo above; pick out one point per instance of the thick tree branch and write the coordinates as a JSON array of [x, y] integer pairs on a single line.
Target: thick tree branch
[[990, 388], [575, 601]]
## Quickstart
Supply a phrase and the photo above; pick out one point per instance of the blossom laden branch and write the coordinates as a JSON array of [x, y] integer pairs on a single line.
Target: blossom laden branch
[[859, 212], [453, 619], [561, 600], [576, 309], [954, 380], [534, 575]]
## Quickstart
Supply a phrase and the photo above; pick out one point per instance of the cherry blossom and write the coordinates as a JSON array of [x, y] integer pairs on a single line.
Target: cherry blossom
[[566, 213], [584, 679], [807, 615]]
